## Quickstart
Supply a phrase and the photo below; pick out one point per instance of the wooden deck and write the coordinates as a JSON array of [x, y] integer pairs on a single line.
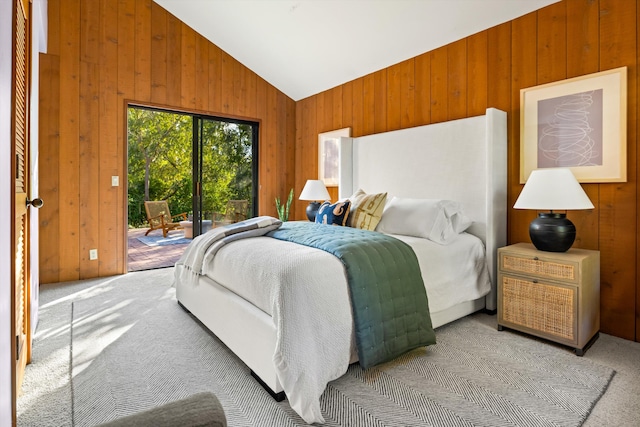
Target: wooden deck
[[143, 257]]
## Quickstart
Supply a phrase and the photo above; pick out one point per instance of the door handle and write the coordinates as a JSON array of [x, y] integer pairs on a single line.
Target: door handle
[[36, 203]]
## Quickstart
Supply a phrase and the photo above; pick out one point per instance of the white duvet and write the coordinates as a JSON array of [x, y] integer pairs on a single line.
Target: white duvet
[[305, 291], [308, 300], [452, 273]]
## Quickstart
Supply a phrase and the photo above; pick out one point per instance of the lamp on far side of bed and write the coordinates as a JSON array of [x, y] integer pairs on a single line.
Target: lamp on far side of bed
[[314, 190], [552, 189]]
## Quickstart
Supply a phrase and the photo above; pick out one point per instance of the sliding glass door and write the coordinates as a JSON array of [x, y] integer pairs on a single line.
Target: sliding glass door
[[225, 171], [201, 165]]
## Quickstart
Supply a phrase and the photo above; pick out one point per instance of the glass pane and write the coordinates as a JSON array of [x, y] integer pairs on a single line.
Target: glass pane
[[160, 162], [226, 173]]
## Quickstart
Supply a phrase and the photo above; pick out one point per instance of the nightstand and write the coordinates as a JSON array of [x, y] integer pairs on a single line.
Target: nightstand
[[552, 295]]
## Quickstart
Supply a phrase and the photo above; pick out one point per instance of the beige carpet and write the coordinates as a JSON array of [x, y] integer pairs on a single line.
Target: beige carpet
[[139, 308]]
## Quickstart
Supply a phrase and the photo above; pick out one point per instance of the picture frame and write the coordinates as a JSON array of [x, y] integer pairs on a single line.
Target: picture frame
[[578, 123], [329, 155]]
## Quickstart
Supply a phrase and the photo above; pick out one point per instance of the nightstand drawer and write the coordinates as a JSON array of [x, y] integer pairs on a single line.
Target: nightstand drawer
[[547, 309], [554, 270]]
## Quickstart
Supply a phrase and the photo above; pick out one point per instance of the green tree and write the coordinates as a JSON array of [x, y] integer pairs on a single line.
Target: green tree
[[227, 164], [160, 162]]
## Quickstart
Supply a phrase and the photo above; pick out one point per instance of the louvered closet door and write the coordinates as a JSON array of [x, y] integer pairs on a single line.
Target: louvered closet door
[[21, 174]]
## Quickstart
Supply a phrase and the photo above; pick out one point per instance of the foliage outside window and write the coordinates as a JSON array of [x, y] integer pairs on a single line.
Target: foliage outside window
[[160, 162]]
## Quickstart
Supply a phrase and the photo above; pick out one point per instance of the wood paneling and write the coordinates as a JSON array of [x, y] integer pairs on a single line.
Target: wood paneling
[[422, 99], [637, 163], [114, 255], [347, 103], [523, 75], [49, 156], [110, 243], [369, 104], [618, 237], [188, 64], [457, 80], [174, 60], [69, 178], [439, 85], [142, 48], [89, 167], [103, 55], [583, 57], [106, 53], [552, 43], [488, 69], [357, 111], [380, 101], [476, 74]]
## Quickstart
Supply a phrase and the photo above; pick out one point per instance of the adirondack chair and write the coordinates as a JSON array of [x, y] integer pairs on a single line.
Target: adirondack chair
[[235, 211], [159, 217]]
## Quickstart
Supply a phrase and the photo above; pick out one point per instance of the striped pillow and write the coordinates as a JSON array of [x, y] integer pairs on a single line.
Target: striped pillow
[[366, 210]]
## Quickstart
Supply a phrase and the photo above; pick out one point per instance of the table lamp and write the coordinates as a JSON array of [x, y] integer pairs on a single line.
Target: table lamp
[[552, 189], [314, 190]]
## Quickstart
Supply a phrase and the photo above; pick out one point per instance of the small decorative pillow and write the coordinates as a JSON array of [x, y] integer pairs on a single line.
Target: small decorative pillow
[[334, 214], [366, 209]]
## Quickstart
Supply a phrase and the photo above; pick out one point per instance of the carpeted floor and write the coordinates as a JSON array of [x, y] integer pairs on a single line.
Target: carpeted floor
[[109, 347]]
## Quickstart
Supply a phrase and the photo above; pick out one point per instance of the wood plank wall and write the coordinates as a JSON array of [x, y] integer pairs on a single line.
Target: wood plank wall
[[488, 69], [103, 54]]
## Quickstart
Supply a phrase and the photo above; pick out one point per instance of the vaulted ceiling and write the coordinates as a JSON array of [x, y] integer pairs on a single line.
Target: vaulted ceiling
[[303, 47]]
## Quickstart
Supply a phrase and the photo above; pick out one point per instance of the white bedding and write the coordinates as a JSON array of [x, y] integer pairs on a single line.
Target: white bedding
[[399, 163], [307, 288], [452, 273]]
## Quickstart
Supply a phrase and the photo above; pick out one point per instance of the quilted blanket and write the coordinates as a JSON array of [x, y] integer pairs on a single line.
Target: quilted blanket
[[388, 297]]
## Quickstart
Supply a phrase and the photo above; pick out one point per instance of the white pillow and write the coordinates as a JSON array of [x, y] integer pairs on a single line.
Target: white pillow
[[434, 219]]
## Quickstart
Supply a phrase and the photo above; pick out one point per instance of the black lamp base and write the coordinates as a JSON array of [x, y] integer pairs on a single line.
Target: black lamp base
[[552, 232], [312, 210]]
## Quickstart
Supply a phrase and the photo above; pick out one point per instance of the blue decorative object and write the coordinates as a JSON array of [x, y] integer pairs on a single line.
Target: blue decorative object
[[334, 214]]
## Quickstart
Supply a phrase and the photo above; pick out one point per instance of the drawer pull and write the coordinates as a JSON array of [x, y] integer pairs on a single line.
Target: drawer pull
[[534, 281], [535, 258]]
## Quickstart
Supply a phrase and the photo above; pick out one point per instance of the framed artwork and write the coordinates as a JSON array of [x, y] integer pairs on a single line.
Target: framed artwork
[[329, 155], [578, 123]]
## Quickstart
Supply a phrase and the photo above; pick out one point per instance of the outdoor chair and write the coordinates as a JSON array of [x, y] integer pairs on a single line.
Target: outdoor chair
[[235, 211], [159, 217]]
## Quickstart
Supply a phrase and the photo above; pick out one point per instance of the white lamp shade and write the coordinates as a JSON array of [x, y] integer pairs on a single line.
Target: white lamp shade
[[553, 189], [314, 189]]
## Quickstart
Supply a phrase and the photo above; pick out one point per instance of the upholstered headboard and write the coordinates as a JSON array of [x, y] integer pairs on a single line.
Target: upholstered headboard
[[463, 160]]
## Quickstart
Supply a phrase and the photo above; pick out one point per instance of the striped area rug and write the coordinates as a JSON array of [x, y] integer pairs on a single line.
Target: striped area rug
[[133, 348], [176, 239]]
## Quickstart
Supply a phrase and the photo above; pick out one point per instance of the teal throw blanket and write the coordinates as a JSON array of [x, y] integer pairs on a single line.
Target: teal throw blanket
[[388, 297]]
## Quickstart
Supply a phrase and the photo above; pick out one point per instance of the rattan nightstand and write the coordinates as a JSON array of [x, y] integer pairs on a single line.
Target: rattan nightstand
[[551, 295]]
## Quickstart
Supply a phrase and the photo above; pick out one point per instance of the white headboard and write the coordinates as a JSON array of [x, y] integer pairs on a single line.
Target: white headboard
[[463, 160]]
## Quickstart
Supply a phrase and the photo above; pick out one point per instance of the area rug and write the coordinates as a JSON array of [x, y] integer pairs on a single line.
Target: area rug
[[134, 347], [176, 239]]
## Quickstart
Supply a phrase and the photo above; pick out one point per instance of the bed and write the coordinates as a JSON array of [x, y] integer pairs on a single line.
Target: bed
[[462, 160]]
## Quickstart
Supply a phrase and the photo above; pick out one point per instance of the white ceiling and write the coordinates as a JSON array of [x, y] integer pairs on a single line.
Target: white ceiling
[[303, 47]]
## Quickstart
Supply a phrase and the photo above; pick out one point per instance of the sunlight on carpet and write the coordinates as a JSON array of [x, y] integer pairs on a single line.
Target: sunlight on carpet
[[150, 351]]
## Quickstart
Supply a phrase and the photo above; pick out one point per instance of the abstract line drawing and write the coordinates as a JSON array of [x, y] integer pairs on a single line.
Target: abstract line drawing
[[578, 123], [570, 130]]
